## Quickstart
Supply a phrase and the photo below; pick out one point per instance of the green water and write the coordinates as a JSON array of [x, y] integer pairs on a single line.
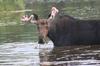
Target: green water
[[18, 33]]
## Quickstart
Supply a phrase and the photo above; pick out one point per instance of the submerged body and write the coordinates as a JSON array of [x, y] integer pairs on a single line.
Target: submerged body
[[66, 30]]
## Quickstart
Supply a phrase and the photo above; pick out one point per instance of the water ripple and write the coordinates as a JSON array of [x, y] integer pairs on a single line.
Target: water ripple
[[34, 54], [20, 54]]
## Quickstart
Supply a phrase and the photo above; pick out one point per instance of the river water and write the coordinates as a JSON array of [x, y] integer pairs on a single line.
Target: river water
[[20, 54], [33, 54]]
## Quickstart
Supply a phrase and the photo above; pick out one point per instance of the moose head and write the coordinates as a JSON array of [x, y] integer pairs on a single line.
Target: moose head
[[42, 26]]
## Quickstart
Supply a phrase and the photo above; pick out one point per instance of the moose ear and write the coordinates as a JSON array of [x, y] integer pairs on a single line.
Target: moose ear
[[35, 16]]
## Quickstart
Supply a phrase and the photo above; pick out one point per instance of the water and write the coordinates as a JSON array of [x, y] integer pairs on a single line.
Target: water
[[33, 54], [21, 54], [73, 56], [18, 41]]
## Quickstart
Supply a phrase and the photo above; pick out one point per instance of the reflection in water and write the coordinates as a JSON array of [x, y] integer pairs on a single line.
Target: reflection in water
[[72, 56], [21, 54], [18, 33], [33, 54]]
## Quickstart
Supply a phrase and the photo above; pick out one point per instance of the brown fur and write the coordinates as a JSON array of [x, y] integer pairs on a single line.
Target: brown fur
[[42, 25]]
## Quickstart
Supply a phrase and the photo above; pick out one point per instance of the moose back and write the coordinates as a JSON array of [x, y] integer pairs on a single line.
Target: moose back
[[66, 30]]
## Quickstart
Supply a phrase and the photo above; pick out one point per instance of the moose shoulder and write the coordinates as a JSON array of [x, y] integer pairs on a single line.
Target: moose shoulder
[[66, 30]]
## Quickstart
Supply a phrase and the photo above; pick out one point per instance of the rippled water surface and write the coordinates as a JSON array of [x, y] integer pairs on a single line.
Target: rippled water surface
[[33, 54], [20, 54]]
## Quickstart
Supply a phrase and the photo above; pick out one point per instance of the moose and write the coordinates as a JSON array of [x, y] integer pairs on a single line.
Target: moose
[[66, 30], [42, 26]]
